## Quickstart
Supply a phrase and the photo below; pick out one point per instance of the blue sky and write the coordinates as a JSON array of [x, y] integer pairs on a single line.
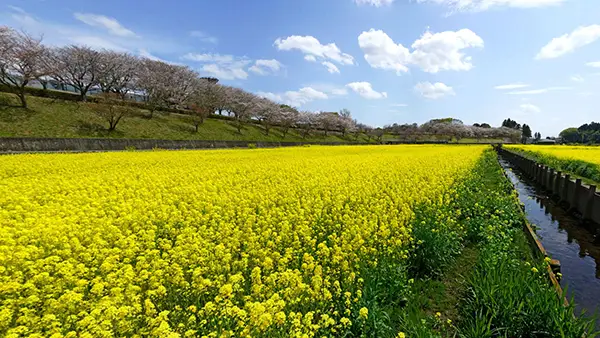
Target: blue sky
[[405, 61]]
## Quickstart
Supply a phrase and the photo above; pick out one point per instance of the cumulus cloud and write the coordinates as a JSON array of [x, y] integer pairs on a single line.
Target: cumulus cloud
[[433, 90], [511, 86], [432, 52], [110, 24], [314, 50], [295, 98], [382, 52], [529, 108], [376, 3], [365, 89], [483, 5], [266, 67], [567, 43], [331, 67], [225, 67]]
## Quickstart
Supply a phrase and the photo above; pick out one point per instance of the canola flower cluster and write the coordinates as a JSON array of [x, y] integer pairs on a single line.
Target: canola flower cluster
[[582, 153], [265, 242]]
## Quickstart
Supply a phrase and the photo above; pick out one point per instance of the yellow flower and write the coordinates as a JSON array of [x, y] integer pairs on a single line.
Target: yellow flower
[[109, 237], [364, 313], [534, 270], [438, 315], [401, 335]]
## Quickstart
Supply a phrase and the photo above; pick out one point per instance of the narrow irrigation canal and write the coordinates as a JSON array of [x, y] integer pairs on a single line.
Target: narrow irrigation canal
[[566, 238]]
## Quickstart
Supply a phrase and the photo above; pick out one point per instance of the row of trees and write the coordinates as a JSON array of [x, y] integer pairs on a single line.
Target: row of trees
[[160, 85], [452, 128]]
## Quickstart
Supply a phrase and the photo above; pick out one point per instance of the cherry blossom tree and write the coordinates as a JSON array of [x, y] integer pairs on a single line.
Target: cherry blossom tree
[[77, 66], [117, 72], [20, 61]]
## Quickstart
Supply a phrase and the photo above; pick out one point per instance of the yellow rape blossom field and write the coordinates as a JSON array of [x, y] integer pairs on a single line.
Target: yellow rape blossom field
[[216, 243], [582, 161], [583, 153]]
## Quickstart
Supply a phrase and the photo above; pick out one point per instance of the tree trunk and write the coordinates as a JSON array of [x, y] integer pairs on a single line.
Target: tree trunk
[[196, 125], [21, 95], [285, 131]]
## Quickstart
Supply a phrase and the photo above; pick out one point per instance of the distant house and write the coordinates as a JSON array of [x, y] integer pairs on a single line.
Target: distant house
[[546, 141]]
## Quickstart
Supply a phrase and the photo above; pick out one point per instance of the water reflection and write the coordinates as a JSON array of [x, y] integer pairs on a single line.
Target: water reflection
[[566, 238]]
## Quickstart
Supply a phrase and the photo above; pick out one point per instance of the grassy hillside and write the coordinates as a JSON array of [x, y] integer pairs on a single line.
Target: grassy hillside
[[49, 118], [57, 118]]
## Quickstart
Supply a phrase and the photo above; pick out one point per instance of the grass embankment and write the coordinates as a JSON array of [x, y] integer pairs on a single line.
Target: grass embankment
[[480, 278], [47, 117], [56, 118], [582, 162]]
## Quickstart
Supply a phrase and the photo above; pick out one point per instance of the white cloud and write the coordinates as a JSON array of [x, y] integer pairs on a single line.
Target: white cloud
[[482, 5], [432, 52], [382, 52], [22, 17], [295, 98], [208, 57], [17, 9], [376, 3], [204, 37], [577, 78], [399, 105], [331, 67], [110, 24], [310, 58], [314, 49], [567, 43], [146, 54], [266, 67], [529, 108], [433, 90], [512, 86], [226, 72], [365, 90], [537, 91], [443, 51], [595, 64], [224, 67]]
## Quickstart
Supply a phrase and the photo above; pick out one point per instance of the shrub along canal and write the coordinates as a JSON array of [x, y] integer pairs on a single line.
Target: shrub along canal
[[566, 238]]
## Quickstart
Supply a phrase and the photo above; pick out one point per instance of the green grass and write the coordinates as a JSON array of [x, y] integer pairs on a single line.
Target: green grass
[[54, 118]]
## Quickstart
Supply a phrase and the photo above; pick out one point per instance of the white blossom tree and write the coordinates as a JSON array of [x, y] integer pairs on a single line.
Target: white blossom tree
[[117, 72], [268, 113], [203, 101], [242, 105], [77, 66], [20, 61]]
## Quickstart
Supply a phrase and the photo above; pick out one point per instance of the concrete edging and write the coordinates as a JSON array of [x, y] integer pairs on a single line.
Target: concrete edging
[[580, 197], [553, 266]]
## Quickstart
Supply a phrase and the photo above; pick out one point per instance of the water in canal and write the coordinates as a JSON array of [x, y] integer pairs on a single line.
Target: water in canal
[[575, 244]]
